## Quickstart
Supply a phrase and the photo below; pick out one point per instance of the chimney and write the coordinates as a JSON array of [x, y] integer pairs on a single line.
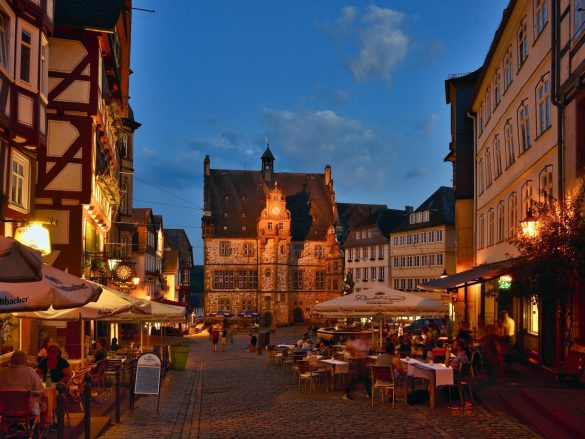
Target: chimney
[[206, 165], [327, 175], [408, 209]]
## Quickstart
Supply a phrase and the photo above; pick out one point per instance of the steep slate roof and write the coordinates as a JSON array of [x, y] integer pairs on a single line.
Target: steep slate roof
[[171, 261], [178, 240], [352, 214], [267, 154], [141, 215], [98, 14], [442, 210], [386, 220], [229, 194]]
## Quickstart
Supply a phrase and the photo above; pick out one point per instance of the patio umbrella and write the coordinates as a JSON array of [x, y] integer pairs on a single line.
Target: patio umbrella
[[22, 290], [248, 314], [151, 311]]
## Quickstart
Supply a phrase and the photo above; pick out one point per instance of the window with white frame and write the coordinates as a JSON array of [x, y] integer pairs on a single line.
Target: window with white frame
[[509, 140], [481, 232], [395, 241], [522, 43], [409, 284], [526, 198], [508, 73], [320, 280], [415, 238], [416, 261], [373, 273], [380, 252], [579, 17], [4, 40], [546, 185], [358, 274], [497, 88], [512, 214], [381, 273], [501, 217], [248, 249], [431, 236], [491, 227], [225, 248], [488, 104], [372, 253], [409, 239], [431, 260], [480, 177], [439, 258], [403, 262], [19, 181], [44, 86], [497, 157], [396, 263], [365, 253], [439, 236], [365, 274], [423, 238], [25, 55], [423, 261], [543, 104], [426, 215], [524, 127], [396, 283], [488, 168], [403, 284], [541, 15], [402, 238], [409, 261]]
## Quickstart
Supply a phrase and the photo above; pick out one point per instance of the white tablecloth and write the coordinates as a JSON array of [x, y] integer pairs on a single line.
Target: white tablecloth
[[340, 366], [418, 369]]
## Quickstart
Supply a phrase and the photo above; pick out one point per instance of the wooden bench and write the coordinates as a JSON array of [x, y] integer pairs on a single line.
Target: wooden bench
[[573, 368]]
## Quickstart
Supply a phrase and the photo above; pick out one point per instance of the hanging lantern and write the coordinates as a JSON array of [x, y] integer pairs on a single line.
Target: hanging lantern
[[529, 224], [36, 236]]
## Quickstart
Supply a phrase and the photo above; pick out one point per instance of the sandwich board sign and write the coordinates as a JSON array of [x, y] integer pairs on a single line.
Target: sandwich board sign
[[148, 375]]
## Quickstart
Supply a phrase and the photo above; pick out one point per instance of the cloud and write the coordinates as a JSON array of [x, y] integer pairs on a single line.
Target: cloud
[[428, 125], [374, 45], [177, 170], [427, 53], [359, 153], [421, 171]]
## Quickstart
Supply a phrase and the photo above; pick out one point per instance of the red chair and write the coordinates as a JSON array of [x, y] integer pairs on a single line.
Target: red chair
[[16, 413]]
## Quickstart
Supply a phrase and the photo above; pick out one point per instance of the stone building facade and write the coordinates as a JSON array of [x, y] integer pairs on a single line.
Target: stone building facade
[[269, 242]]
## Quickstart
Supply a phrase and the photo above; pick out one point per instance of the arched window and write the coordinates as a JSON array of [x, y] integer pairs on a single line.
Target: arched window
[[509, 139], [512, 214], [488, 168], [546, 184], [541, 15], [508, 73], [501, 219], [524, 127], [481, 231], [522, 43], [527, 200], [480, 177], [497, 88], [543, 104], [497, 157], [491, 227], [488, 104]]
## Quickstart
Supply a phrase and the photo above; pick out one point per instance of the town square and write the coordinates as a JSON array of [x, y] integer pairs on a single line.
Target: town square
[[247, 219]]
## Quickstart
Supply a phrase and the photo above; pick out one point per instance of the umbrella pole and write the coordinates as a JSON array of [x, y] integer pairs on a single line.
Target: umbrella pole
[[82, 341], [380, 335], [141, 339]]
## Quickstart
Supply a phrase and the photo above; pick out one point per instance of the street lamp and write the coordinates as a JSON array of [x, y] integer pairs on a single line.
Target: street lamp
[[529, 224], [135, 281], [36, 236]]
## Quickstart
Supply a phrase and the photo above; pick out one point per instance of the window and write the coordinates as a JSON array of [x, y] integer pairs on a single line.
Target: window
[[224, 304], [481, 231], [297, 280], [423, 238], [372, 253], [4, 36], [396, 284], [524, 127], [412, 218], [380, 252], [491, 227], [248, 249], [402, 237], [579, 16], [501, 213], [19, 181], [488, 104], [409, 239], [365, 274], [488, 168], [402, 262], [373, 273], [480, 118], [358, 274], [319, 251], [395, 241], [350, 255], [395, 264], [269, 226], [439, 258], [225, 248], [415, 238], [365, 253], [409, 284], [546, 185], [417, 261], [480, 179], [248, 279], [280, 226], [543, 105], [532, 315], [223, 279], [508, 74], [526, 198], [431, 260], [320, 280], [512, 214], [431, 236], [298, 251], [497, 88], [409, 261], [423, 261], [541, 15], [497, 157], [25, 54], [522, 44], [381, 273], [426, 215], [403, 284], [439, 236], [509, 139]]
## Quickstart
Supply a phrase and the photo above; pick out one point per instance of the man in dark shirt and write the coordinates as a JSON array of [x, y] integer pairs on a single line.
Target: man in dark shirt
[[100, 350]]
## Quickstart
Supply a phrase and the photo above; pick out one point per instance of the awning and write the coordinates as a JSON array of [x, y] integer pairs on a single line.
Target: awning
[[475, 275]]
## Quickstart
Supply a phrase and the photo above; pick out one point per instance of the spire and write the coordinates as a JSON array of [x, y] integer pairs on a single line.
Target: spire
[[267, 162]]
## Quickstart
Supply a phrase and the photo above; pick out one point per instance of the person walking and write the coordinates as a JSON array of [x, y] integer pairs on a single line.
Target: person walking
[[357, 351], [507, 328], [224, 337], [214, 337]]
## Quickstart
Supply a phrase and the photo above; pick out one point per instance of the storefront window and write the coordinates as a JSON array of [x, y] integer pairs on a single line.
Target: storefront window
[[532, 316]]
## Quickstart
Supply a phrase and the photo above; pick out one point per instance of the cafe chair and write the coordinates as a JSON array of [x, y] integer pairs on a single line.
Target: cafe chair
[[309, 375], [16, 413], [462, 378], [476, 362], [383, 379], [297, 356], [76, 385]]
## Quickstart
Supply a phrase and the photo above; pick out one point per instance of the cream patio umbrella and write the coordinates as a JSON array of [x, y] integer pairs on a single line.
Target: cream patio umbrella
[[26, 284]]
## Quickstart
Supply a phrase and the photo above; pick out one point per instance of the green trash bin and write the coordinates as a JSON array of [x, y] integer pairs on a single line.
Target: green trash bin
[[179, 356]]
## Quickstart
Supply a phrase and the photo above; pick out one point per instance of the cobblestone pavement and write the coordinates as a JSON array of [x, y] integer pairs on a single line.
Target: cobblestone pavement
[[237, 394]]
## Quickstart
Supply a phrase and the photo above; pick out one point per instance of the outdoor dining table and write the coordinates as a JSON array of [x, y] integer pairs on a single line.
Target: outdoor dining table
[[77, 364], [436, 374], [337, 367], [50, 394]]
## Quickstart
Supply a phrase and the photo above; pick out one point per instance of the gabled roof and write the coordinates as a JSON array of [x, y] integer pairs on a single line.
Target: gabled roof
[[236, 199], [142, 215], [352, 214], [385, 220], [171, 261], [441, 206], [178, 240], [267, 154], [97, 14]]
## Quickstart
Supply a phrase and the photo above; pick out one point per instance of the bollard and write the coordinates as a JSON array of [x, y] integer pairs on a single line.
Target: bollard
[[131, 387], [87, 406], [117, 394], [61, 410]]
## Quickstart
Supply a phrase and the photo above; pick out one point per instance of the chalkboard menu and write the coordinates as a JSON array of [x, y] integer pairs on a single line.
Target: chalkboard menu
[[147, 375]]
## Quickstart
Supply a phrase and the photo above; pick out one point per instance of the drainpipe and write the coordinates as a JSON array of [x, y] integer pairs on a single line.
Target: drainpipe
[[472, 116], [555, 99]]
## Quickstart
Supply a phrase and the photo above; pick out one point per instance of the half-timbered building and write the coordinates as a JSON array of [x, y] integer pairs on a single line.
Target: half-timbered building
[[269, 242]]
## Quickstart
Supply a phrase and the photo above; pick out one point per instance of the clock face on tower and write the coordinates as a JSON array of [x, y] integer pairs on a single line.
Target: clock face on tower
[[275, 210]]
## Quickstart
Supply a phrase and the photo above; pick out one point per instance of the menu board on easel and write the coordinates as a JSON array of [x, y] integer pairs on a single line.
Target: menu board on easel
[[147, 375]]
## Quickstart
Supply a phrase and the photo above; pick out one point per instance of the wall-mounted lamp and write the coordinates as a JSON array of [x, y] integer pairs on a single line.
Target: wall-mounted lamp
[[35, 235], [529, 224], [113, 263], [444, 274], [135, 281]]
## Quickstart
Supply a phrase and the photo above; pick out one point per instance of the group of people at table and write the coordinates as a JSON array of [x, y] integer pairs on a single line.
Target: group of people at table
[[397, 353], [39, 379]]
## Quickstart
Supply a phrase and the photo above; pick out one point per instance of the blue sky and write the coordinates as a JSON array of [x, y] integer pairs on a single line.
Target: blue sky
[[356, 85]]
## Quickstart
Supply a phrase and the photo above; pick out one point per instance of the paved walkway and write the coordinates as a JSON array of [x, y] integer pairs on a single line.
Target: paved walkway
[[237, 394]]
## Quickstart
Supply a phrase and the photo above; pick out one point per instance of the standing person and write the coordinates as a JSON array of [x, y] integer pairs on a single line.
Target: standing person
[[214, 337], [357, 351], [57, 365], [231, 333], [253, 340], [224, 337], [507, 335]]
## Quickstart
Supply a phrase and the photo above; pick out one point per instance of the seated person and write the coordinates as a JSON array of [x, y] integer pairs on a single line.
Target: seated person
[[308, 346], [56, 364], [21, 377], [440, 352], [404, 344], [461, 357], [47, 341], [114, 346], [325, 350], [100, 350], [389, 359]]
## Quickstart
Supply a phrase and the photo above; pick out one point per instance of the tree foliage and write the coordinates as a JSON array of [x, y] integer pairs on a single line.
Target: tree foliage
[[551, 263]]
